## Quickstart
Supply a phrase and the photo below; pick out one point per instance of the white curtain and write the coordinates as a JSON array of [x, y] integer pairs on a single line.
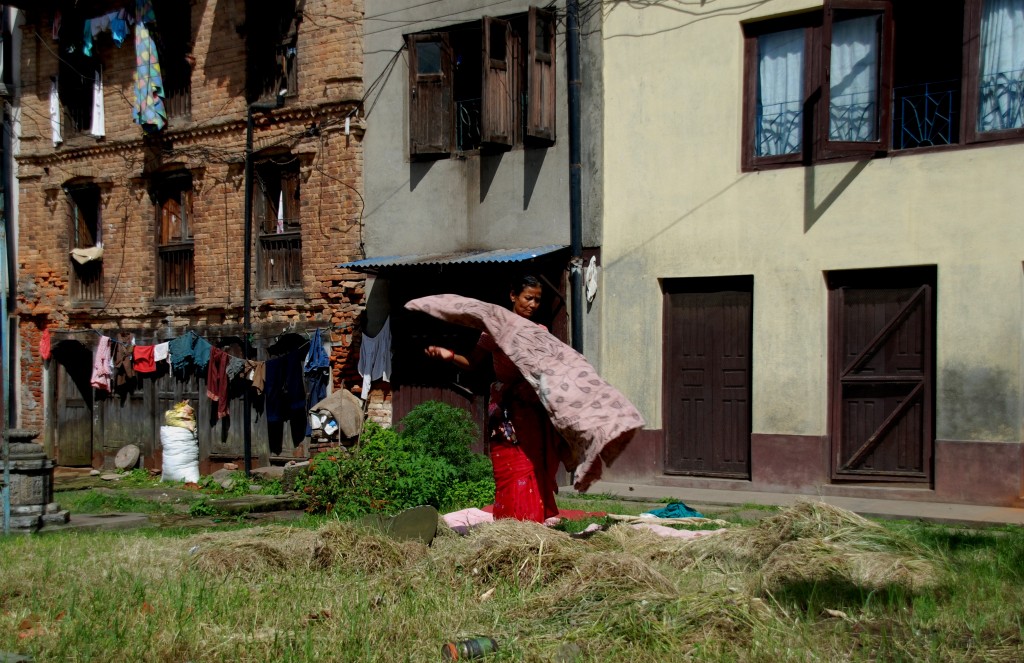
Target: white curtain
[[55, 113], [1002, 66], [853, 84], [99, 125], [780, 92]]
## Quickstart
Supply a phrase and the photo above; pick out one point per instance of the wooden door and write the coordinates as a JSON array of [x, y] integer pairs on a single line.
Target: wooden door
[[72, 432], [882, 374], [707, 376]]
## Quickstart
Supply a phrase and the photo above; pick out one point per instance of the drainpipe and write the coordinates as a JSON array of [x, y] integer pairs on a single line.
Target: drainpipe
[[572, 48], [261, 106], [5, 342]]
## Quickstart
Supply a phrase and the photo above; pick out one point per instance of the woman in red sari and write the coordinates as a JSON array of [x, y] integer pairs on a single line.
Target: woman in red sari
[[523, 442]]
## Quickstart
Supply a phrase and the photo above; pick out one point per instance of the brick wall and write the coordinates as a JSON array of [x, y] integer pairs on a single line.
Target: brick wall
[[211, 144]]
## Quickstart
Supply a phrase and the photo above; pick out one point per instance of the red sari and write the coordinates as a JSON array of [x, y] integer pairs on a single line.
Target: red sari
[[524, 470]]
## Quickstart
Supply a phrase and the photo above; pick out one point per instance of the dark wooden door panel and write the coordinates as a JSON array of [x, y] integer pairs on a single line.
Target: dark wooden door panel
[[883, 386], [74, 404], [405, 397], [707, 374]]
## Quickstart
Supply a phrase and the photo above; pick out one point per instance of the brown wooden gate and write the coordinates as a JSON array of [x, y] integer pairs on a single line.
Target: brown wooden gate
[[73, 404], [707, 329], [882, 371]]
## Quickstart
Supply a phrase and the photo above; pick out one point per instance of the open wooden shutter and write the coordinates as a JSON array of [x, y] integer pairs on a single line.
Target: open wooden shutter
[[290, 197], [430, 95], [498, 107], [540, 118], [857, 90]]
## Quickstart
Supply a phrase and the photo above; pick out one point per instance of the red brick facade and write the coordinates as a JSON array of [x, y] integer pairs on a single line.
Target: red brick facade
[[309, 129]]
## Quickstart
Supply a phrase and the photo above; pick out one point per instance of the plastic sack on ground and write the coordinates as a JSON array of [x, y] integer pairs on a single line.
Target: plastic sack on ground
[[181, 454]]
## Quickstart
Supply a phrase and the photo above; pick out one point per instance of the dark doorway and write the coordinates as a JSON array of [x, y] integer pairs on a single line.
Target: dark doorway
[[882, 368], [707, 368], [74, 403]]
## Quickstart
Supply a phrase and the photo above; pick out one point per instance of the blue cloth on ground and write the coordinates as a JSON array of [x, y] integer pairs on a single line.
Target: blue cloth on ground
[[676, 510]]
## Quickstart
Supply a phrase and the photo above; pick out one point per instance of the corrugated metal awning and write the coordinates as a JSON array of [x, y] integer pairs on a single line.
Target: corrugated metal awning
[[373, 265]]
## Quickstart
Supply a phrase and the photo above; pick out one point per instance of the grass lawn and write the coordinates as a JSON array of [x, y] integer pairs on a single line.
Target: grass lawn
[[802, 584]]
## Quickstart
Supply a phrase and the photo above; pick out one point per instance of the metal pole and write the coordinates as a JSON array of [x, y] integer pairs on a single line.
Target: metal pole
[[247, 279], [572, 48], [5, 328], [247, 301]]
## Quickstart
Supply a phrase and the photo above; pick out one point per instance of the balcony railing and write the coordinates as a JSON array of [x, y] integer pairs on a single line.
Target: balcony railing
[[779, 129], [851, 119], [1002, 101], [280, 266], [467, 125], [87, 282], [176, 275], [926, 114]]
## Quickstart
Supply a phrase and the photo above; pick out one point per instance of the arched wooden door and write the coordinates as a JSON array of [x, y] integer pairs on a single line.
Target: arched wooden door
[[73, 415]]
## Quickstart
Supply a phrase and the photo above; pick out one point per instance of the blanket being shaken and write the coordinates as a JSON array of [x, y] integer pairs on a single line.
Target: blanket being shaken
[[595, 419]]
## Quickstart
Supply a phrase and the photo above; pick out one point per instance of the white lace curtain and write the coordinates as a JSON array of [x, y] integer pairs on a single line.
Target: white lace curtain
[[1001, 84], [853, 83], [780, 92]]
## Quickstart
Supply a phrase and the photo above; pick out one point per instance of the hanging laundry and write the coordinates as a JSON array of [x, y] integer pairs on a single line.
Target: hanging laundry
[[375, 357], [217, 380], [148, 111], [116, 22], [98, 127], [55, 32], [101, 363], [280, 212], [284, 390], [124, 369], [55, 114], [44, 345], [180, 352], [317, 371], [143, 360], [201, 352], [161, 351], [256, 372], [235, 367]]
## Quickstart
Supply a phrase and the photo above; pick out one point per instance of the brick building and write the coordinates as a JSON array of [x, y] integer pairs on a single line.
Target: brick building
[[132, 217]]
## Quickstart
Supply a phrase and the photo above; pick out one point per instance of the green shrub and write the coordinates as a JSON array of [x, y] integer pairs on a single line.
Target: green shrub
[[427, 460]]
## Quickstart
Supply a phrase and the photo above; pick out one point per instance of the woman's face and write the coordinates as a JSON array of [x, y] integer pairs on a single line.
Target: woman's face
[[527, 301]]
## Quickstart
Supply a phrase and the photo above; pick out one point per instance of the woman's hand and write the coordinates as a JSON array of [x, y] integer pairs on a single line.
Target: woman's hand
[[437, 352]]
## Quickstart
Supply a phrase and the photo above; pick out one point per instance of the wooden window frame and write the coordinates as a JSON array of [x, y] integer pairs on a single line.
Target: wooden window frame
[[175, 190], [274, 179], [810, 23], [272, 51], [430, 100], [174, 39], [971, 95], [542, 75], [883, 90], [86, 281]]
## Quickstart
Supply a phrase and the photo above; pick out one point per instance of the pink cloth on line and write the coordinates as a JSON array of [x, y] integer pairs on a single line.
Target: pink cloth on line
[[595, 419], [101, 365]]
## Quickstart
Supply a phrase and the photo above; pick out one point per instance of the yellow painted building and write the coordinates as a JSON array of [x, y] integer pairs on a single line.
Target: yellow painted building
[[813, 244]]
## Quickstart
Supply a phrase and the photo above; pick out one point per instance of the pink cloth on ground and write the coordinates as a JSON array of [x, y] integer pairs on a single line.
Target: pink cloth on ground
[[101, 366], [467, 518], [595, 419], [662, 530]]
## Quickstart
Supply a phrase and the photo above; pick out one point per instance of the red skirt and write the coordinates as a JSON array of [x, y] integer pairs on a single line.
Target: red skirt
[[524, 473]]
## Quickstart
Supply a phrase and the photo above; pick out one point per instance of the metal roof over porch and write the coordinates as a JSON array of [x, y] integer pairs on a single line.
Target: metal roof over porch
[[491, 256]]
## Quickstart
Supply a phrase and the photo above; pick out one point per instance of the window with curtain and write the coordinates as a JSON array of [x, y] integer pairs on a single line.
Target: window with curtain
[[175, 243], [1001, 71], [853, 84], [780, 59], [865, 78], [276, 213]]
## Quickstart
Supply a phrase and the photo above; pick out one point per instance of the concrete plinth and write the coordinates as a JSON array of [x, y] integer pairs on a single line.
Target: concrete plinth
[[31, 477]]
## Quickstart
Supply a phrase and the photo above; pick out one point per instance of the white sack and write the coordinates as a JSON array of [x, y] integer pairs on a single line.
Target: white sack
[[181, 454]]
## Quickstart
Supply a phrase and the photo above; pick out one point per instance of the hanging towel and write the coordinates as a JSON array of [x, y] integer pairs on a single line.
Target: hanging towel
[[180, 350], [217, 380], [55, 132], [161, 351], [256, 372], [98, 127], [148, 82], [101, 365], [143, 359], [201, 352], [235, 366], [317, 371], [375, 357]]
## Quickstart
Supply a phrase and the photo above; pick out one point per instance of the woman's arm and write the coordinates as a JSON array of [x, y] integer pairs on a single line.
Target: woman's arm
[[452, 357]]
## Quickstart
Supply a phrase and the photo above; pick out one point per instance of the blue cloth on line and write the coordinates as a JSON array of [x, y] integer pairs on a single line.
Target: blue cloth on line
[[317, 371], [283, 388]]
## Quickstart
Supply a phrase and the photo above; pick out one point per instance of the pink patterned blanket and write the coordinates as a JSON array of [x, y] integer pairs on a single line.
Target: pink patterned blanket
[[593, 417]]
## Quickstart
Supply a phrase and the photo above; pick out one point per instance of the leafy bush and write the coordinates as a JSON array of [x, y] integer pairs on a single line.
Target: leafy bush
[[427, 460]]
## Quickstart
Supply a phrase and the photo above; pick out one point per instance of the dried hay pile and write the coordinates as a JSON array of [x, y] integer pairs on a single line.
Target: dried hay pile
[[809, 542]]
